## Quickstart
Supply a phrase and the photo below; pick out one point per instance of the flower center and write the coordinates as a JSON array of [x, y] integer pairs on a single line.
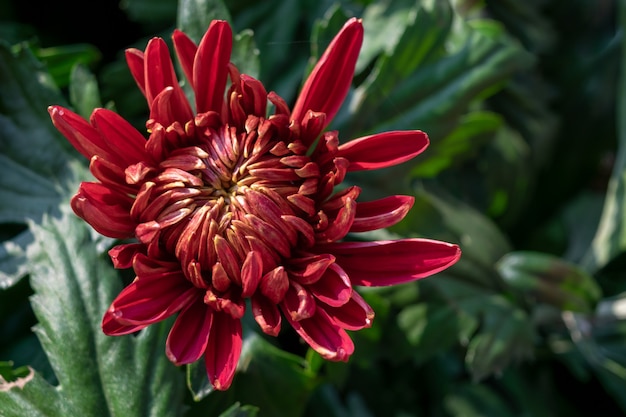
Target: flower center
[[219, 193]]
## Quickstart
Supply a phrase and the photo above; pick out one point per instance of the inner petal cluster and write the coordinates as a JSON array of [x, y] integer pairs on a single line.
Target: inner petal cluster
[[233, 201]]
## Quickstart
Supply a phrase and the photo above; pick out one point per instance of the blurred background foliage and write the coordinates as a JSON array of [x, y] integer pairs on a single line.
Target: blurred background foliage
[[523, 103]]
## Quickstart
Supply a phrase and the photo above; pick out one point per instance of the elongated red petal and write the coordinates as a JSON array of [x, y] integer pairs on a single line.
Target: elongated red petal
[[123, 255], [111, 327], [186, 52], [105, 209], [147, 301], [189, 335], [378, 214], [251, 273], [210, 67], [84, 137], [266, 314], [329, 82], [333, 288], [159, 75], [375, 264], [135, 62], [356, 314], [123, 139], [341, 225], [383, 149], [223, 350], [324, 336], [158, 69]]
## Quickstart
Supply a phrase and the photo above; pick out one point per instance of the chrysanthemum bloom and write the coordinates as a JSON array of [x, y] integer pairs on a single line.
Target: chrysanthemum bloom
[[229, 203]]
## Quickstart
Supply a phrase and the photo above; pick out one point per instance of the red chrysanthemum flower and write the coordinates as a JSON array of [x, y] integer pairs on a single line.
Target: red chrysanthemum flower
[[229, 204]]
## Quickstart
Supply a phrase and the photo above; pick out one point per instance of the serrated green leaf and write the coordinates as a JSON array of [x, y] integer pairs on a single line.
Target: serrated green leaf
[[98, 375], [38, 167], [13, 259], [550, 280]]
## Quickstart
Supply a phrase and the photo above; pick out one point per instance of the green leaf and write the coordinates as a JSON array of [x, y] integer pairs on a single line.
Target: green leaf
[[9, 374], [610, 238], [601, 340], [84, 93], [98, 375], [432, 328], [279, 27], [38, 167], [13, 265], [237, 410], [383, 17], [473, 400], [60, 60], [506, 336], [551, 280], [195, 16], [472, 132], [150, 13], [431, 89], [245, 53]]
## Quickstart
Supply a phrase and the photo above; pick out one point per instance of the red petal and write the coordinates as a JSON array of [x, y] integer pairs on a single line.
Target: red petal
[[390, 262], [189, 335], [160, 74], [340, 225], [80, 133], [123, 139], [333, 288], [106, 210], [274, 284], [266, 314], [324, 336], [298, 303], [123, 255], [356, 314], [223, 350], [251, 272], [135, 62], [110, 175], [113, 328], [383, 149], [309, 269], [210, 67], [329, 82], [378, 214], [186, 51], [149, 300]]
